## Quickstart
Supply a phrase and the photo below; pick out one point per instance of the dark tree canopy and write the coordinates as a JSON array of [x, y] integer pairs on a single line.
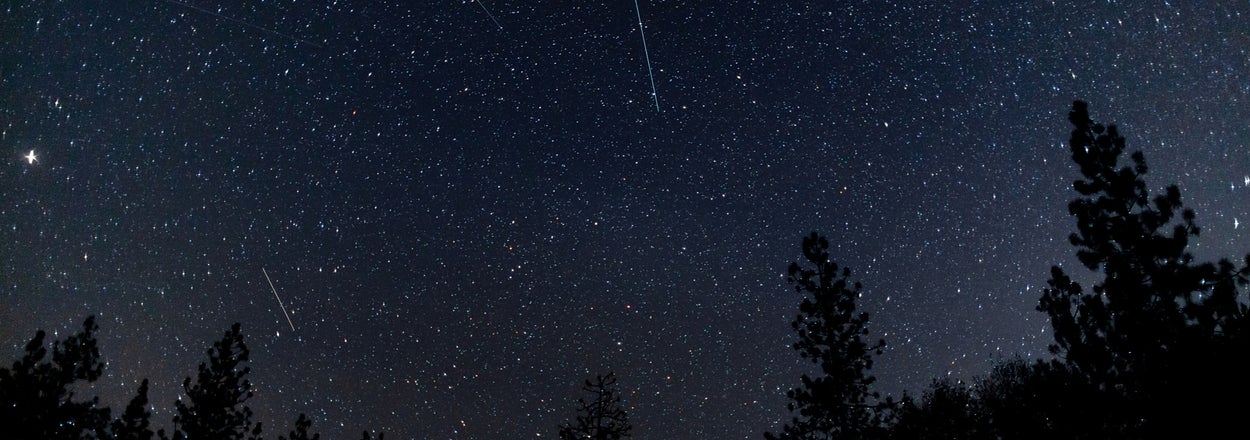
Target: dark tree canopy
[[36, 396], [1019, 399], [1155, 349], [948, 409], [38, 402], [602, 417], [302, 425], [135, 423], [838, 403], [217, 407], [1159, 328]]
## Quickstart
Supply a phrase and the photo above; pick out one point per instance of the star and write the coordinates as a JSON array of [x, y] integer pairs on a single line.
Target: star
[[30, 157]]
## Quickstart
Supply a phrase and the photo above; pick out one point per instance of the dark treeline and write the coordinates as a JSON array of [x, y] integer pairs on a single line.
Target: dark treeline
[[1156, 349], [37, 401]]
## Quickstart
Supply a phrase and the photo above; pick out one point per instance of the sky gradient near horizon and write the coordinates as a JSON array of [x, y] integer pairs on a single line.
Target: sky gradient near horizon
[[468, 207]]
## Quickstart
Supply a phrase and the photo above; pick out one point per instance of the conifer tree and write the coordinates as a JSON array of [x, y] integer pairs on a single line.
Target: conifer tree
[[216, 405], [837, 403], [1159, 331], [36, 396], [601, 418], [302, 425], [134, 424]]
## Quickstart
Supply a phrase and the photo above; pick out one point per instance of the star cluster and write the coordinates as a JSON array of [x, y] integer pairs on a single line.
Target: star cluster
[[467, 209]]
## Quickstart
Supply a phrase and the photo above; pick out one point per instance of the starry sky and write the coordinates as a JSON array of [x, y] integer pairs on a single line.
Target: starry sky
[[469, 207]]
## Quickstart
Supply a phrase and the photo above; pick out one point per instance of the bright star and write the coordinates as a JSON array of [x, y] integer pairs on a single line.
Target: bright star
[[30, 157]]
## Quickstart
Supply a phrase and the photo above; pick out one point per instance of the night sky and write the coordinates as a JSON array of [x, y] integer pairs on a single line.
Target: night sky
[[469, 207]]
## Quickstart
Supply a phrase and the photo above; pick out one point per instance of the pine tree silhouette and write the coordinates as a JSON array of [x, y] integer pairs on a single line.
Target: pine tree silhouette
[[217, 401], [838, 403], [601, 418], [134, 423], [1159, 332], [302, 425], [36, 397]]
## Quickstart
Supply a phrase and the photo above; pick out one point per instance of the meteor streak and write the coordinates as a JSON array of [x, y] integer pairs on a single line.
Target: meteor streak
[[488, 14], [275, 295], [654, 95]]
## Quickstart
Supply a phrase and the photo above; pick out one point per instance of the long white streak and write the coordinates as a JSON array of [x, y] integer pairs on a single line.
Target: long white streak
[[275, 295], [488, 14], [654, 95]]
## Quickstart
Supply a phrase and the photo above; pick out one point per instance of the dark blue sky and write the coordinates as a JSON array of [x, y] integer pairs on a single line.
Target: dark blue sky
[[465, 219]]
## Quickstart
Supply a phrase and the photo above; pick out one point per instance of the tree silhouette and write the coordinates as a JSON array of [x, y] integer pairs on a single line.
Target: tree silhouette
[[302, 424], [837, 404], [1158, 329], [218, 399], [602, 418], [134, 424], [949, 409], [1041, 399], [36, 400], [1019, 399]]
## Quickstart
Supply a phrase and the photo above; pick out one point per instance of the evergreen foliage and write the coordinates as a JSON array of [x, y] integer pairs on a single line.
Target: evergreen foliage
[[135, 423], [302, 425], [1154, 349], [217, 407], [1159, 328], [36, 396], [838, 403], [37, 400], [1149, 352], [602, 417]]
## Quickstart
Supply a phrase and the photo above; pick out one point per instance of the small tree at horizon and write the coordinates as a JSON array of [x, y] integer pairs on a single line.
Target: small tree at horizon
[[300, 432], [601, 418]]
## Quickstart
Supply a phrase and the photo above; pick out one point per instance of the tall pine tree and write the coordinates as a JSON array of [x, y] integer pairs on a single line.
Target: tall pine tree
[[1160, 332], [837, 403], [216, 406]]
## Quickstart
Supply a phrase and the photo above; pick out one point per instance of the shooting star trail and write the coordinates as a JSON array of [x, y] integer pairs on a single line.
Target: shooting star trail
[[488, 14], [244, 23], [275, 295], [654, 95]]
